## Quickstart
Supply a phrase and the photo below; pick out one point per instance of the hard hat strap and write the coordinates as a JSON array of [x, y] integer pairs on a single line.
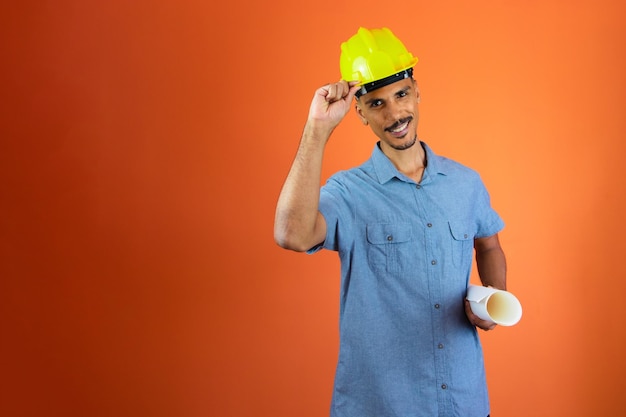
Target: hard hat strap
[[367, 87]]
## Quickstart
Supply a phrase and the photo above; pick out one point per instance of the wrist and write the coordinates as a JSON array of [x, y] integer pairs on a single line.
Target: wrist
[[317, 131]]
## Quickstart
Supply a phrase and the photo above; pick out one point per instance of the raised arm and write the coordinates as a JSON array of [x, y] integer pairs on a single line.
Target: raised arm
[[298, 224]]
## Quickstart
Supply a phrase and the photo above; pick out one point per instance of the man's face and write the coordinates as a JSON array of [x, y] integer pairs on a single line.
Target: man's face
[[392, 113]]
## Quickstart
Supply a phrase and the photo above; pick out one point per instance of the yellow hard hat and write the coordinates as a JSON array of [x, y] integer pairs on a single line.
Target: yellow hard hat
[[375, 58]]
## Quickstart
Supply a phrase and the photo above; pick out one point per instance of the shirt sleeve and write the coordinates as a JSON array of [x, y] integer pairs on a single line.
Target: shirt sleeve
[[335, 208], [488, 221]]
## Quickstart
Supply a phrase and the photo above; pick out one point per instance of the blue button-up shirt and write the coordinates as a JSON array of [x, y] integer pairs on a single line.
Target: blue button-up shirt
[[406, 248]]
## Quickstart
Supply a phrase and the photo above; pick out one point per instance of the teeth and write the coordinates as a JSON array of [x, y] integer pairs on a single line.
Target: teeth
[[400, 128]]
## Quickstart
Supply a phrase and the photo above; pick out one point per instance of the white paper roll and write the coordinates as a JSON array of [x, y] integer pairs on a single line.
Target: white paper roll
[[498, 306]]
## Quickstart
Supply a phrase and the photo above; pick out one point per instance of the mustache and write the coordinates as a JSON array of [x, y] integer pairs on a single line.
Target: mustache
[[398, 123]]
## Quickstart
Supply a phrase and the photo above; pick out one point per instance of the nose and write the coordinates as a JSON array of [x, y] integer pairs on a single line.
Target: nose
[[393, 111]]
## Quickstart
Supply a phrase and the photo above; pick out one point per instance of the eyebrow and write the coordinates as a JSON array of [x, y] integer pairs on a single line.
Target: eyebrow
[[405, 89]]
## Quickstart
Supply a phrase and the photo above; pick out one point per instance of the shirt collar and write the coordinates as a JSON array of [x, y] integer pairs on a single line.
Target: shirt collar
[[385, 169]]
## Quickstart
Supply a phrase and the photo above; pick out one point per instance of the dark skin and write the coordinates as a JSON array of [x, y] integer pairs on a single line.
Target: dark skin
[[392, 113], [491, 264]]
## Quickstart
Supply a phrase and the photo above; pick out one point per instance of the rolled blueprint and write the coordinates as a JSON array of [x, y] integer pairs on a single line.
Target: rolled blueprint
[[498, 306]]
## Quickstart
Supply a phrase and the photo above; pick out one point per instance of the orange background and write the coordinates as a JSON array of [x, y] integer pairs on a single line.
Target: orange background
[[143, 146]]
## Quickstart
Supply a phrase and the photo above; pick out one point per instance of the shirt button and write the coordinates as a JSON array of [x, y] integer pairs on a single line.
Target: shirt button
[[444, 386], [389, 238], [440, 345], [465, 235], [437, 306], [418, 186], [429, 224], [433, 262]]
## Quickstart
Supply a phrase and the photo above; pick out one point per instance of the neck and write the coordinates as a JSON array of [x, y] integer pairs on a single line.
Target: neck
[[411, 162]]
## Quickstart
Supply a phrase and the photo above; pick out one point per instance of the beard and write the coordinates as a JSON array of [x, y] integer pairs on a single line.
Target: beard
[[405, 145]]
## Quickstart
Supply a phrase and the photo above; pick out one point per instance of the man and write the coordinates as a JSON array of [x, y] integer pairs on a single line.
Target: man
[[405, 224]]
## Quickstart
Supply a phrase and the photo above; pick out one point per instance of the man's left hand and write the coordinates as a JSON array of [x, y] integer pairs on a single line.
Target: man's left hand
[[477, 321]]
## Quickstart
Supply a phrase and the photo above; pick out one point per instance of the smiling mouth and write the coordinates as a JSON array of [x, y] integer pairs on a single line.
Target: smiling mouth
[[399, 126]]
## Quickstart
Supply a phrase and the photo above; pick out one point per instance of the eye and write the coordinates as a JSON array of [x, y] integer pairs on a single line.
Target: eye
[[376, 103], [403, 93]]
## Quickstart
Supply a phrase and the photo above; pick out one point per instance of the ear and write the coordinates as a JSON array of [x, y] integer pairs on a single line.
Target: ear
[[359, 112], [417, 91]]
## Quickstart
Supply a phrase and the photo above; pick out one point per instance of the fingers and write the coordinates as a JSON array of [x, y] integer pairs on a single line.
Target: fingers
[[354, 87], [485, 325], [477, 321], [341, 90], [332, 101], [336, 91]]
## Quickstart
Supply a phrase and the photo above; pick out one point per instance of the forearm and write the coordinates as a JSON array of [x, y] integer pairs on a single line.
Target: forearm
[[491, 263], [296, 224]]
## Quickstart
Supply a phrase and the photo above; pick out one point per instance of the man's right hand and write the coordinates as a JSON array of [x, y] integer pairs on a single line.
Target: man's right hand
[[331, 103]]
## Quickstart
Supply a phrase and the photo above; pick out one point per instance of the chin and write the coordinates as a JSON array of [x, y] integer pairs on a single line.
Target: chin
[[405, 145]]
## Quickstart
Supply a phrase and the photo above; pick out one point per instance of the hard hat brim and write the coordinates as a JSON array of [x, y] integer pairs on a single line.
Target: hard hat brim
[[374, 85]]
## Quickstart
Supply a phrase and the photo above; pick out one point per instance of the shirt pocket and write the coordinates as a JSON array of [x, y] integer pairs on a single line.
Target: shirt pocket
[[462, 243], [389, 246]]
